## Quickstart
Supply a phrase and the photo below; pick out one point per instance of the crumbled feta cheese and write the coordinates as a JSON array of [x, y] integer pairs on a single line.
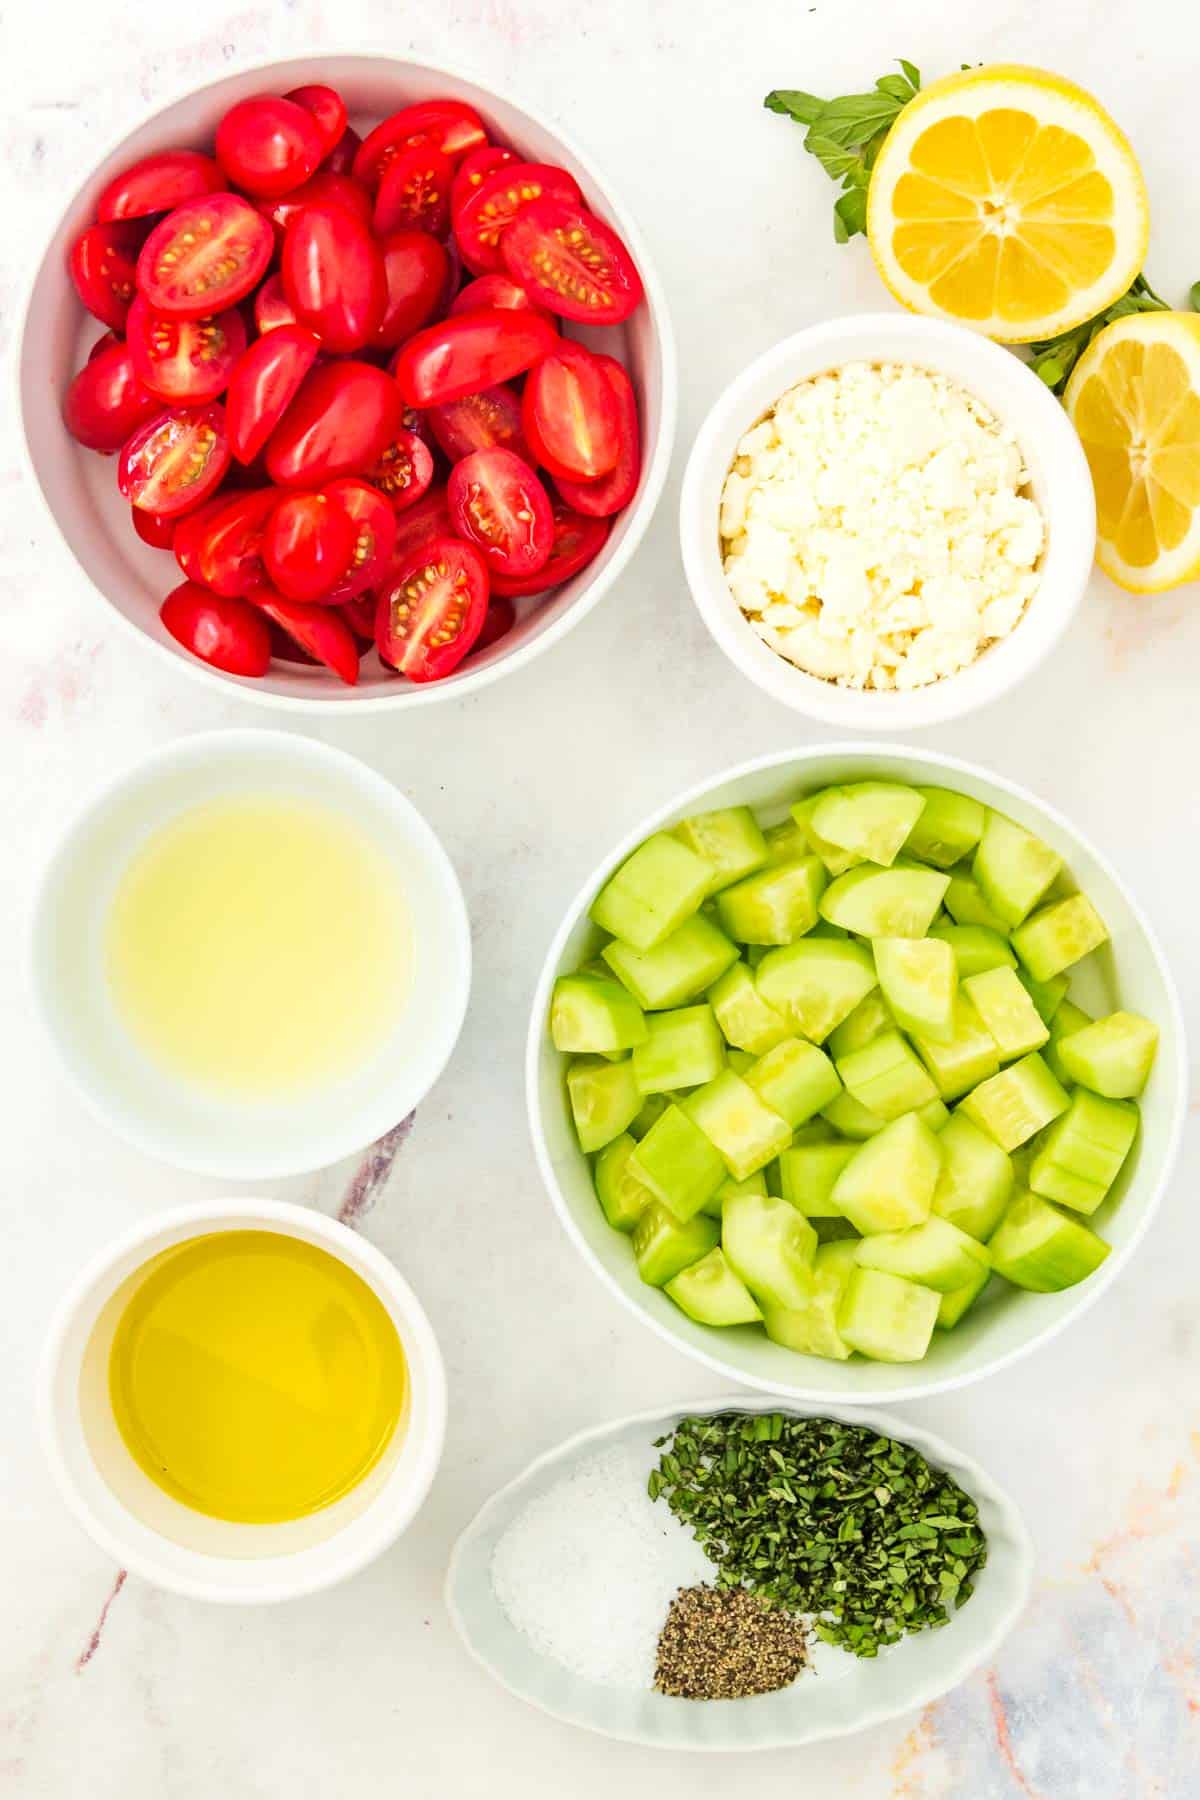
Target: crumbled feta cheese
[[877, 528]]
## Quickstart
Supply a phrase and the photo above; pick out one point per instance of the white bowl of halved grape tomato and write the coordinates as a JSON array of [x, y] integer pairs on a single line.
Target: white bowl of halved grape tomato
[[857, 1075], [347, 382]]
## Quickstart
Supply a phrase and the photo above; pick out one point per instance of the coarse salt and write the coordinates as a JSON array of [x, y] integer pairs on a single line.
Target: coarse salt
[[587, 1570], [877, 528]]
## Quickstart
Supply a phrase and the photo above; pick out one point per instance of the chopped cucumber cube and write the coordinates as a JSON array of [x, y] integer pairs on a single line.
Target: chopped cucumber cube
[[729, 841], [654, 891], [679, 969], [753, 1184], [740, 1060], [1007, 1011], [653, 1107], [871, 819], [743, 1015], [1081, 1154], [968, 1058], [919, 981], [966, 905], [743, 1127], [1047, 996], [868, 1019], [851, 1119], [1015, 1104], [836, 861], [605, 1099], [816, 983], [976, 1179], [1067, 1020], [1013, 868], [664, 1246], [976, 948], [957, 1302], [1113, 1056], [807, 1173], [816, 1131], [1037, 1247], [776, 906], [889, 1183], [786, 842], [622, 1195], [683, 1049], [795, 1079], [678, 1163], [886, 1317], [709, 1292], [594, 1014], [936, 1254], [771, 1246], [886, 1077], [935, 1114], [948, 828], [812, 1328], [1058, 935], [901, 902]]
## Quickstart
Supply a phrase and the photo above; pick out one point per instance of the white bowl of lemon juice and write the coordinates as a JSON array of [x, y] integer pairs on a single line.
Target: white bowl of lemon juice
[[252, 954], [242, 1401]]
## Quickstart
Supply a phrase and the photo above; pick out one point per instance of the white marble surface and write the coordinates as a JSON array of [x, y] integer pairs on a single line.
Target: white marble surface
[[1097, 1696]]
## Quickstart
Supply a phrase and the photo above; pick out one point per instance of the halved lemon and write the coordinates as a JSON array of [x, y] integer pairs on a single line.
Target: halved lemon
[[1006, 198], [1134, 399]]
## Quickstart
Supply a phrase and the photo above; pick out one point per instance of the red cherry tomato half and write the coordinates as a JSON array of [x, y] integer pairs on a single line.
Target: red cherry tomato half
[[340, 422], [267, 145], [472, 170], [404, 470], [601, 499], [227, 633], [571, 262], [340, 160], [103, 264], [498, 621], [184, 361], [569, 413], [498, 504], [426, 518], [307, 545], [451, 125], [576, 541], [220, 544], [415, 267], [482, 421], [265, 380], [105, 341], [175, 461], [333, 275], [414, 191], [106, 403], [473, 351], [321, 189], [154, 530], [486, 215], [374, 524], [487, 292], [272, 308], [359, 615], [158, 183], [319, 630], [327, 108], [205, 256], [432, 609]]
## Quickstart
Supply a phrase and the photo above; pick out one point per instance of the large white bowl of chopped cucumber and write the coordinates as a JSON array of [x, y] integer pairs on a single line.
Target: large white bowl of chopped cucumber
[[856, 1074]]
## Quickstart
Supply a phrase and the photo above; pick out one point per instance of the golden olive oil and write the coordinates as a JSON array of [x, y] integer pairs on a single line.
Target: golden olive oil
[[259, 947], [255, 1377]]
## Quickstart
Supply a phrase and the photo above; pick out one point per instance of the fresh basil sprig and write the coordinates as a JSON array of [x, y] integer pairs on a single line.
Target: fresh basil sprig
[[845, 136], [1054, 358]]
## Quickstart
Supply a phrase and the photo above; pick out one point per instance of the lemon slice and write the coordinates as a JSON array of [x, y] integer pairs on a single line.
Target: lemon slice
[[1006, 198], [1134, 399]]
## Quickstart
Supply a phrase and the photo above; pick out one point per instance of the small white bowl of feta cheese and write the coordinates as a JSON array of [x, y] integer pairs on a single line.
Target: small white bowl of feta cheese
[[887, 522]]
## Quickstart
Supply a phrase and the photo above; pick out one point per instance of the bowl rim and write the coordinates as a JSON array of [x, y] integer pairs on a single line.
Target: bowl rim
[[300, 748], [936, 1450], [866, 751], [418, 1336], [940, 701], [641, 510]]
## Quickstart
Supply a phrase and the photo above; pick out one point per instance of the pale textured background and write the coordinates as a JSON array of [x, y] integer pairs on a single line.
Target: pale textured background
[[365, 1690]]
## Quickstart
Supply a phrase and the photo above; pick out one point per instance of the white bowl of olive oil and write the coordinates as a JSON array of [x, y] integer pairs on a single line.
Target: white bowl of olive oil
[[242, 1401], [252, 954]]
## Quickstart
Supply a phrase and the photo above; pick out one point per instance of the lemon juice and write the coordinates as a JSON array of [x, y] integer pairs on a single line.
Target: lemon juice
[[259, 946], [255, 1377]]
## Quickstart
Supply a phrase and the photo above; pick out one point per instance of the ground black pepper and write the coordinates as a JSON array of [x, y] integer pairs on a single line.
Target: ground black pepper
[[724, 1644]]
